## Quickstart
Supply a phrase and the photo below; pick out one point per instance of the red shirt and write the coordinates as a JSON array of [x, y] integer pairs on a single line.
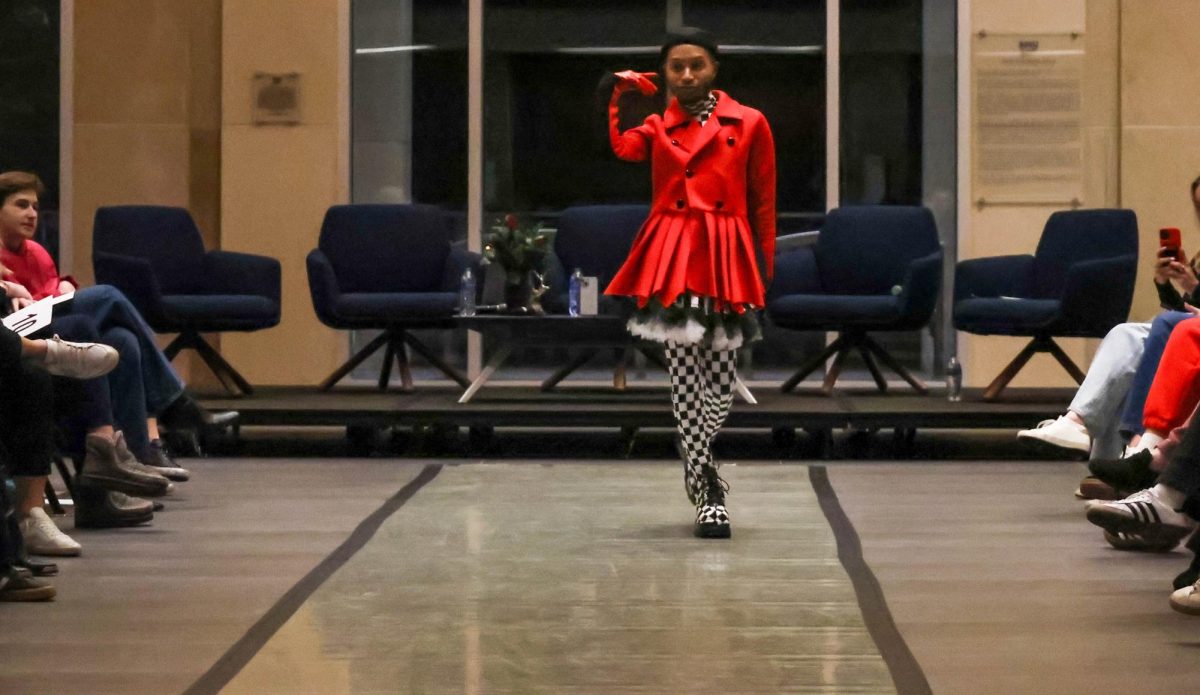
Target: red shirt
[[32, 267]]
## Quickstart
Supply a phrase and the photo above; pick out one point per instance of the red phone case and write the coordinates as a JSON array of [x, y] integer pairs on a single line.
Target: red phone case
[[1171, 238]]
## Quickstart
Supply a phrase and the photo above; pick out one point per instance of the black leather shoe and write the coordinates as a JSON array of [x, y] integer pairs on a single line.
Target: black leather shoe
[[161, 461], [184, 413]]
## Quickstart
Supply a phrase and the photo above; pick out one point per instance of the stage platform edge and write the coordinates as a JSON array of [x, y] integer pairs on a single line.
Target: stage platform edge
[[637, 407]]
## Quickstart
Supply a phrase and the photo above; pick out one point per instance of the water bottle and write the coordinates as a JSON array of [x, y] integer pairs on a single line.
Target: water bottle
[[953, 380], [574, 287], [466, 294]]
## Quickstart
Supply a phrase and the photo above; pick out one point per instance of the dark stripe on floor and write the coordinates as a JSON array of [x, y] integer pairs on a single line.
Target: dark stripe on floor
[[242, 651], [906, 672]]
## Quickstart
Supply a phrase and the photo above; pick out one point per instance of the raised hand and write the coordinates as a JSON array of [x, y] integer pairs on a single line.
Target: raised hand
[[641, 81]]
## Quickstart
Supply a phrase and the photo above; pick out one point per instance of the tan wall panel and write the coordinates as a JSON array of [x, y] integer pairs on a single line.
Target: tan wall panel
[[1160, 56], [124, 164], [131, 59], [995, 231], [277, 184], [281, 36], [1157, 167], [277, 181]]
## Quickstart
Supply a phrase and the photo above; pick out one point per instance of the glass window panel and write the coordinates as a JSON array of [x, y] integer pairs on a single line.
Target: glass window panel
[[897, 99], [409, 129], [29, 118]]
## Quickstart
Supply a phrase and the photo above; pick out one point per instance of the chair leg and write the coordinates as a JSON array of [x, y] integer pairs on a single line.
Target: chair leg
[[620, 372], [400, 350], [835, 369], [354, 361], [183, 340], [52, 499], [61, 466], [385, 370], [423, 350], [880, 383], [218, 365], [1008, 373], [1069, 365], [811, 365], [564, 371], [892, 364], [653, 355]]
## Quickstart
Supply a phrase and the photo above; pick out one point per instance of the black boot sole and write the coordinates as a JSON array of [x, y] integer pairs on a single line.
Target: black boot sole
[[712, 531], [104, 520], [129, 487]]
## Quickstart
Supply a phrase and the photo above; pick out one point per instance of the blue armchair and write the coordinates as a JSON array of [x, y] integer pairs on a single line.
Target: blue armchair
[[155, 255], [1079, 283], [388, 267], [873, 268]]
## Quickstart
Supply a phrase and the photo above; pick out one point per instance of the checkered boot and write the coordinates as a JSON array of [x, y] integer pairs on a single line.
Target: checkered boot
[[712, 519]]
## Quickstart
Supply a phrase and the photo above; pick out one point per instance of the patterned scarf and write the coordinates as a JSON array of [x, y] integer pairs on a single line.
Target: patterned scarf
[[701, 109]]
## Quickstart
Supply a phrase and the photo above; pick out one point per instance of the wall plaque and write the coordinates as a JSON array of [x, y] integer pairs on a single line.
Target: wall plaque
[[1027, 119], [276, 98]]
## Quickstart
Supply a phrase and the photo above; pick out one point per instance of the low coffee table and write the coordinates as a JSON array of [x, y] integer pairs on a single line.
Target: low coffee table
[[593, 333]]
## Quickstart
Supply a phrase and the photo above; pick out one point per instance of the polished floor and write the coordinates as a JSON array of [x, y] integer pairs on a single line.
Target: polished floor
[[475, 576]]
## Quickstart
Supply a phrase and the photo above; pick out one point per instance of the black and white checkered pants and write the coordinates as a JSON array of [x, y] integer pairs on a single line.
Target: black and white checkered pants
[[702, 384]]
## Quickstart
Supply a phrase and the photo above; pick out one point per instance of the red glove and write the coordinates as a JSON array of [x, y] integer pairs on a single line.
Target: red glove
[[631, 79]]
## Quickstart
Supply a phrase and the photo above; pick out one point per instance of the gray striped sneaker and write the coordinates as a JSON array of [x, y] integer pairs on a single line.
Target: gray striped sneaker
[[1141, 513]]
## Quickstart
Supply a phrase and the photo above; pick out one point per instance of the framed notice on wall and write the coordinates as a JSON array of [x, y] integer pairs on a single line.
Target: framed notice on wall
[[1027, 116]]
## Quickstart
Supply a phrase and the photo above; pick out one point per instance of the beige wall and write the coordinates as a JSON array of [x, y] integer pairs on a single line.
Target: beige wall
[[277, 181], [993, 231], [1160, 124], [146, 111], [146, 120]]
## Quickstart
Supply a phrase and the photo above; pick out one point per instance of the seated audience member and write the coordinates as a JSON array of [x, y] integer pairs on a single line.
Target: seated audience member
[[1166, 511], [1123, 369], [17, 582], [27, 422], [32, 275]]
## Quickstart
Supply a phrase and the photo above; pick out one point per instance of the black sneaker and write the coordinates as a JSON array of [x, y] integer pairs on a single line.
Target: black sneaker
[[1129, 473], [161, 461], [712, 519]]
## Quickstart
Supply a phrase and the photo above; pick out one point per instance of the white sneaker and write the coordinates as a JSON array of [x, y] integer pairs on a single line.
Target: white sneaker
[[42, 537], [1141, 513], [79, 360], [1187, 599], [1061, 433]]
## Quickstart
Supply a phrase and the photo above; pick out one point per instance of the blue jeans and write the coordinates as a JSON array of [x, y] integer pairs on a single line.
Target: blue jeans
[[1156, 342], [111, 310]]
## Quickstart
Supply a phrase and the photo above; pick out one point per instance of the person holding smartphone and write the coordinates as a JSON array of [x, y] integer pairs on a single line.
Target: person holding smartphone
[[698, 266], [1108, 407]]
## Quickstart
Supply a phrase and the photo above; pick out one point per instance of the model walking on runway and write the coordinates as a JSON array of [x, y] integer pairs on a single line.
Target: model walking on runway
[[698, 266]]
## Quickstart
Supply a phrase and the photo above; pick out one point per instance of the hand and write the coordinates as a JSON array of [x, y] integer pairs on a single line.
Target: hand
[[1191, 309], [642, 81], [15, 290], [65, 287], [1183, 274], [20, 303]]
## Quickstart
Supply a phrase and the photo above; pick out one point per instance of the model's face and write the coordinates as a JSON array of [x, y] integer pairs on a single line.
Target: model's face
[[690, 72], [19, 215]]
